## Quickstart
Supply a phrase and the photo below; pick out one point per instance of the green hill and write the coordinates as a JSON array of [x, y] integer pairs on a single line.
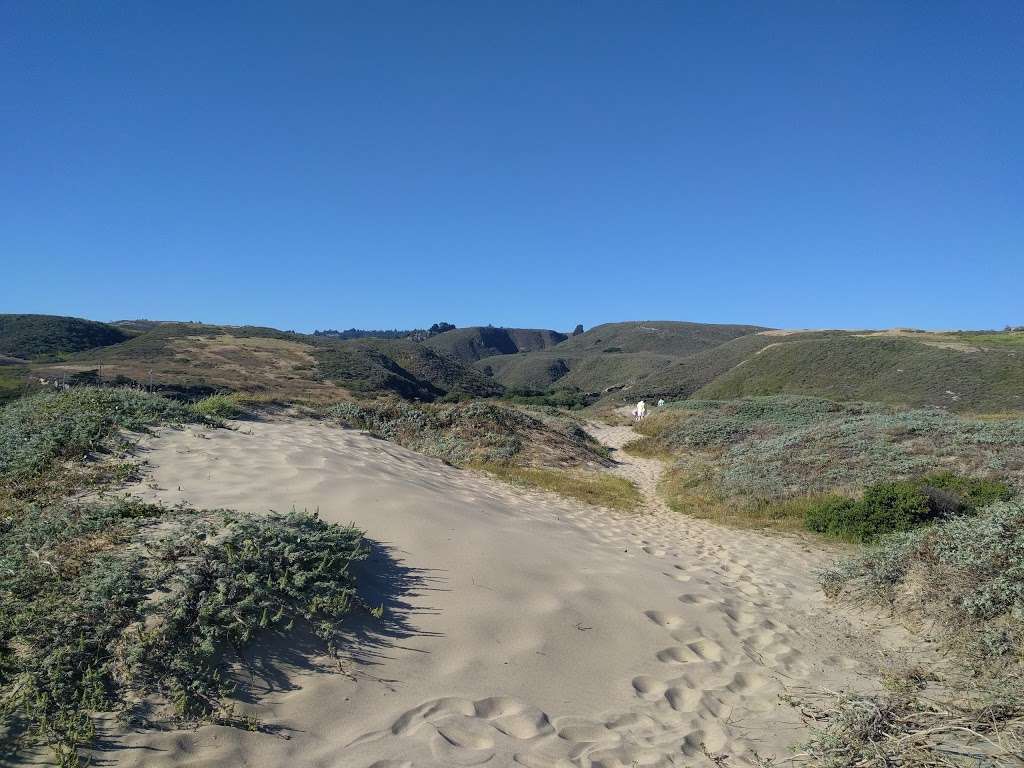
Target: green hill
[[663, 337], [194, 358], [962, 370], [34, 336], [540, 371], [612, 355], [406, 368], [472, 344], [684, 377], [925, 369]]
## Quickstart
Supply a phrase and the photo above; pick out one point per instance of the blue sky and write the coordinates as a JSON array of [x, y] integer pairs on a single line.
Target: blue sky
[[388, 164]]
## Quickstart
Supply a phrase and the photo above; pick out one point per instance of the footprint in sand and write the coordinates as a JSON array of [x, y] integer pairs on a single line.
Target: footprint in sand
[[663, 619], [648, 687]]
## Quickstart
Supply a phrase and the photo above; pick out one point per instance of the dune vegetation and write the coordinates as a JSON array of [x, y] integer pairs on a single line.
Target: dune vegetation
[[960, 584], [591, 488], [113, 605], [54, 443], [464, 434], [779, 461]]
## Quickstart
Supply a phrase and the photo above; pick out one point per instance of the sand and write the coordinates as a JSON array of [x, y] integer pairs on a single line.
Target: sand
[[519, 628]]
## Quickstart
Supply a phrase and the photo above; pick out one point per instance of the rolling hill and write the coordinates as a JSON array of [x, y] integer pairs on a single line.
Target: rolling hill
[[194, 358], [613, 355], [664, 337], [924, 370], [540, 371], [686, 376], [27, 337], [472, 344], [406, 368], [962, 371]]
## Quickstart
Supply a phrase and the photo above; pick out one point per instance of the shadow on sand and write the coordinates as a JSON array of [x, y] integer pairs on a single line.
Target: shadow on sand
[[276, 663]]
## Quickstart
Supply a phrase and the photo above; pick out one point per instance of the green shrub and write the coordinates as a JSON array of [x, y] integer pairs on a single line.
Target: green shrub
[[889, 507], [832, 515], [104, 603], [571, 399], [220, 407], [902, 505], [974, 492], [885, 508]]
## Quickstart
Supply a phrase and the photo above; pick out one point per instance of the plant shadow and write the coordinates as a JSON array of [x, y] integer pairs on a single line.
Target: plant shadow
[[276, 662]]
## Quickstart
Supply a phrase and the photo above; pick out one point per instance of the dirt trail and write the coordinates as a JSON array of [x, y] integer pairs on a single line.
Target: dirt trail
[[645, 473], [520, 629]]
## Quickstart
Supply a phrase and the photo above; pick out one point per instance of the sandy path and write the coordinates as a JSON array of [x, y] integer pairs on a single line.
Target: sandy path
[[519, 628]]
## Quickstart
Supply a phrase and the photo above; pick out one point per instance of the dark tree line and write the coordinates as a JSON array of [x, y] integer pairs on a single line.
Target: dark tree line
[[361, 333]]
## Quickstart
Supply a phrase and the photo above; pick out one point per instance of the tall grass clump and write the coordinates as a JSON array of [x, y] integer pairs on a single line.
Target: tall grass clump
[[105, 605], [591, 488]]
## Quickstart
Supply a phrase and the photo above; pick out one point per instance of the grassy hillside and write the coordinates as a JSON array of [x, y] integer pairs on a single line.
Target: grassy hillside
[[472, 344], [406, 368], [540, 371], [36, 336], [688, 375], [889, 369], [659, 336], [198, 358], [201, 358], [748, 460], [610, 356]]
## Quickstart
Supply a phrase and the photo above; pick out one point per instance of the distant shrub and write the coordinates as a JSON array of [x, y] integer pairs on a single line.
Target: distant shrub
[[572, 399], [902, 505]]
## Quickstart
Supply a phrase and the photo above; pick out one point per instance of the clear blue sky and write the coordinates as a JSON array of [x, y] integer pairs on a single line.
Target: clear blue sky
[[389, 164]]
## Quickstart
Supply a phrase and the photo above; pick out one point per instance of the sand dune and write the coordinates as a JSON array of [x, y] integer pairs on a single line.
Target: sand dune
[[519, 628]]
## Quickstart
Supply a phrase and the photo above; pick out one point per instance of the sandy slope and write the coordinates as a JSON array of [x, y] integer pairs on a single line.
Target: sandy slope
[[519, 629]]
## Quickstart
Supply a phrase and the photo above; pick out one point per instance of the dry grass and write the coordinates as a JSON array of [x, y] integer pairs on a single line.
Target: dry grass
[[900, 729], [602, 490], [690, 489], [647, 448], [252, 365]]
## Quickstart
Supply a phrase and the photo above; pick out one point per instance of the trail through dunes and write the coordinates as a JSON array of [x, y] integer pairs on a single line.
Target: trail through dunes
[[518, 628]]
